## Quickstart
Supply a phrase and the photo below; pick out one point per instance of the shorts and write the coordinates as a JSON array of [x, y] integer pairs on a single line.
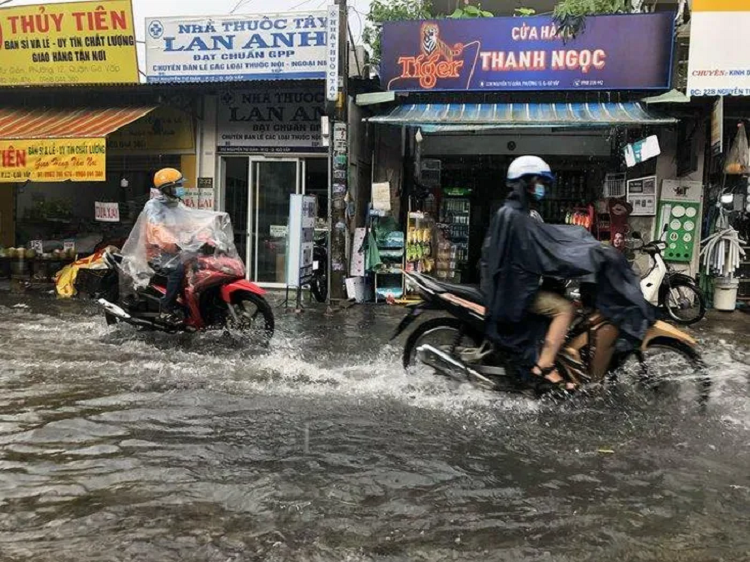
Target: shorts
[[551, 305]]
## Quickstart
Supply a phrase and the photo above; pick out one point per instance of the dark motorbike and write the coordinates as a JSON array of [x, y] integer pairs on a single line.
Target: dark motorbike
[[319, 281], [455, 345]]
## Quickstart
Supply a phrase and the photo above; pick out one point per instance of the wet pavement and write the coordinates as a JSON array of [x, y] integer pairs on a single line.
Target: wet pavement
[[117, 445]]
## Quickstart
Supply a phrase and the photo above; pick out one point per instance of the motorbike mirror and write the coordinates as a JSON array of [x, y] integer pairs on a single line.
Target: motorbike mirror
[[636, 235]]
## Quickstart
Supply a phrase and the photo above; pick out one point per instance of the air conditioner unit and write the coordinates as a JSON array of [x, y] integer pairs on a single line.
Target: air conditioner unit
[[429, 172], [359, 62]]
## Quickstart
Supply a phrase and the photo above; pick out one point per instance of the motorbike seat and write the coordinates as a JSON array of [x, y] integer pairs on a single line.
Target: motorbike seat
[[470, 293]]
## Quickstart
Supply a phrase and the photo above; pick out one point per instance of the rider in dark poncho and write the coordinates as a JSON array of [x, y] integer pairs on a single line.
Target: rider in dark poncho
[[519, 251]]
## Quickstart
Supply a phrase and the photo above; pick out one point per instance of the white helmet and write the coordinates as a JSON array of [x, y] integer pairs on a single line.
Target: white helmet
[[529, 166]]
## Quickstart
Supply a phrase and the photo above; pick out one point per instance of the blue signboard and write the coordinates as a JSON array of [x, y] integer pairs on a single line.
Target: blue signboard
[[625, 52]]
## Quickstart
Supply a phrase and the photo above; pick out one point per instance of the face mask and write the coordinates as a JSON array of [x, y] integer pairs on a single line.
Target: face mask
[[539, 191], [179, 192]]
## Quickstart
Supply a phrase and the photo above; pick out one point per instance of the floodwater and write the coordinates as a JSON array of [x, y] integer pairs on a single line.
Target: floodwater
[[119, 446]]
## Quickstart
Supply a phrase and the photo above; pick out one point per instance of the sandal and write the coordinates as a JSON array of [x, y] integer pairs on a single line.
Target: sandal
[[542, 384]]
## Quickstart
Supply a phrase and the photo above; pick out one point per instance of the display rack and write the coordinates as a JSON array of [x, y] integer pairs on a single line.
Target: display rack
[[420, 246], [455, 217]]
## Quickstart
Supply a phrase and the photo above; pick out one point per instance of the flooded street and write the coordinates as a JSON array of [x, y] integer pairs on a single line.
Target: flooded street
[[116, 445]]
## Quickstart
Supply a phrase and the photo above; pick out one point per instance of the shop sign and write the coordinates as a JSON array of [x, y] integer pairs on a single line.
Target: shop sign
[[69, 43], [642, 196], [719, 43], [197, 198], [288, 46], [52, 160], [332, 62], [274, 120], [717, 127], [165, 130], [106, 212], [528, 54]]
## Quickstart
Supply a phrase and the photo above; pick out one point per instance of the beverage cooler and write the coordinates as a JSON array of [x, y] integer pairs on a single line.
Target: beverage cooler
[[453, 239]]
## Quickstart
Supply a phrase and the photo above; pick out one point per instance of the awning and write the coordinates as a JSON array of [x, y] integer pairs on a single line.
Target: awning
[[56, 145], [84, 122], [457, 117]]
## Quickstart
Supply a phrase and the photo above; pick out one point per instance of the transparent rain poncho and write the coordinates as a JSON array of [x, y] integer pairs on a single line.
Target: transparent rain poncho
[[167, 233]]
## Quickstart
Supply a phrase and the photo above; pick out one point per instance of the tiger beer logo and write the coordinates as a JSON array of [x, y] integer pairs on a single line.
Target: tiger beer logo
[[437, 58]]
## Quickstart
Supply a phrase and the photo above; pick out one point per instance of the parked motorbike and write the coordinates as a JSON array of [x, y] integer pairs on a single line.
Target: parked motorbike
[[675, 293], [215, 295], [455, 345], [319, 281]]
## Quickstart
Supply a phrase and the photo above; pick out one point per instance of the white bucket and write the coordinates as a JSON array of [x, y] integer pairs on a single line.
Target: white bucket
[[725, 293]]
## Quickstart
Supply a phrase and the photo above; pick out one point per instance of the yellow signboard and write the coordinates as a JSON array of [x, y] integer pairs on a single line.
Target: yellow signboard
[[721, 6], [53, 160], [70, 43], [165, 130]]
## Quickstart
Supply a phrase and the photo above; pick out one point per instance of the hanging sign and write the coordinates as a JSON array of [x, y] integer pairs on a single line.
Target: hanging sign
[[332, 56], [273, 120], [106, 212], [68, 43], [719, 43], [642, 150], [288, 46], [52, 160], [642, 196], [528, 54]]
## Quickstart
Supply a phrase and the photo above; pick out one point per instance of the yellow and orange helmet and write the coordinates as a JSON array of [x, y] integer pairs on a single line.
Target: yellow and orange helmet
[[167, 180]]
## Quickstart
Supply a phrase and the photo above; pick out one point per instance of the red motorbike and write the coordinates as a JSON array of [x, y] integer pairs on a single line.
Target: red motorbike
[[215, 295]]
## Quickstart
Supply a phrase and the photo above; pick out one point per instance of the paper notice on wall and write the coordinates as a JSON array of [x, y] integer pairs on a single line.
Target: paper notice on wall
[[106, 212], [381, 196]]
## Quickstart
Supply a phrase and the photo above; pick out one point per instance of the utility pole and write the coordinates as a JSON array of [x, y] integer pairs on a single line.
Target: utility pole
[[336, 93]]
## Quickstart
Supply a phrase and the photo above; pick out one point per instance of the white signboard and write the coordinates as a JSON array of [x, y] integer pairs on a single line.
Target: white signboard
[[288, 46], [642, 196], [274, 120], [197, 198], [106, 212], [302, 213], [719, 43], [332, 60], [679, 190]]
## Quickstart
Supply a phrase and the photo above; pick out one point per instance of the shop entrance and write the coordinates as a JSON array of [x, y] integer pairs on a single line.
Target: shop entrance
[[256, 196]]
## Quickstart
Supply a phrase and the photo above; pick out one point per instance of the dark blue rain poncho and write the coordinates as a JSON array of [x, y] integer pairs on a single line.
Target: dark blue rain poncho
[[519, 251]]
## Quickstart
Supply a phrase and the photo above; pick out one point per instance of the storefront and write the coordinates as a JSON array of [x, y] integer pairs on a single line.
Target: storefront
[[270, 147], [719, 84], [478, 94], [80, 175], [260, 138]]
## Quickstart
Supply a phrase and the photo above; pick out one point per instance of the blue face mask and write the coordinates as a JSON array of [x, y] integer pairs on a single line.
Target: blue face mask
[[179, 192], [539, 191]]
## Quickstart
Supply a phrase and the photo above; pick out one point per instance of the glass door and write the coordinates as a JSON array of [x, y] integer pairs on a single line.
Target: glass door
[[273, 181], [236, 201]]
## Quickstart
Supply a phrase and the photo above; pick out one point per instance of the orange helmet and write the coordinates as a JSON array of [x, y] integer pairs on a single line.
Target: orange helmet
[[167, 180]]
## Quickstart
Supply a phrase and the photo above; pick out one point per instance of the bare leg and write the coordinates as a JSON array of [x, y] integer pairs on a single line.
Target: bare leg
[[558, 330]]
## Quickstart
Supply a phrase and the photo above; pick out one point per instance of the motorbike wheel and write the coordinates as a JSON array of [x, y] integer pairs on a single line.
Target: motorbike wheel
[[684, 303], [319, 288], [256, 317], [669, 365], [445, 332]]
